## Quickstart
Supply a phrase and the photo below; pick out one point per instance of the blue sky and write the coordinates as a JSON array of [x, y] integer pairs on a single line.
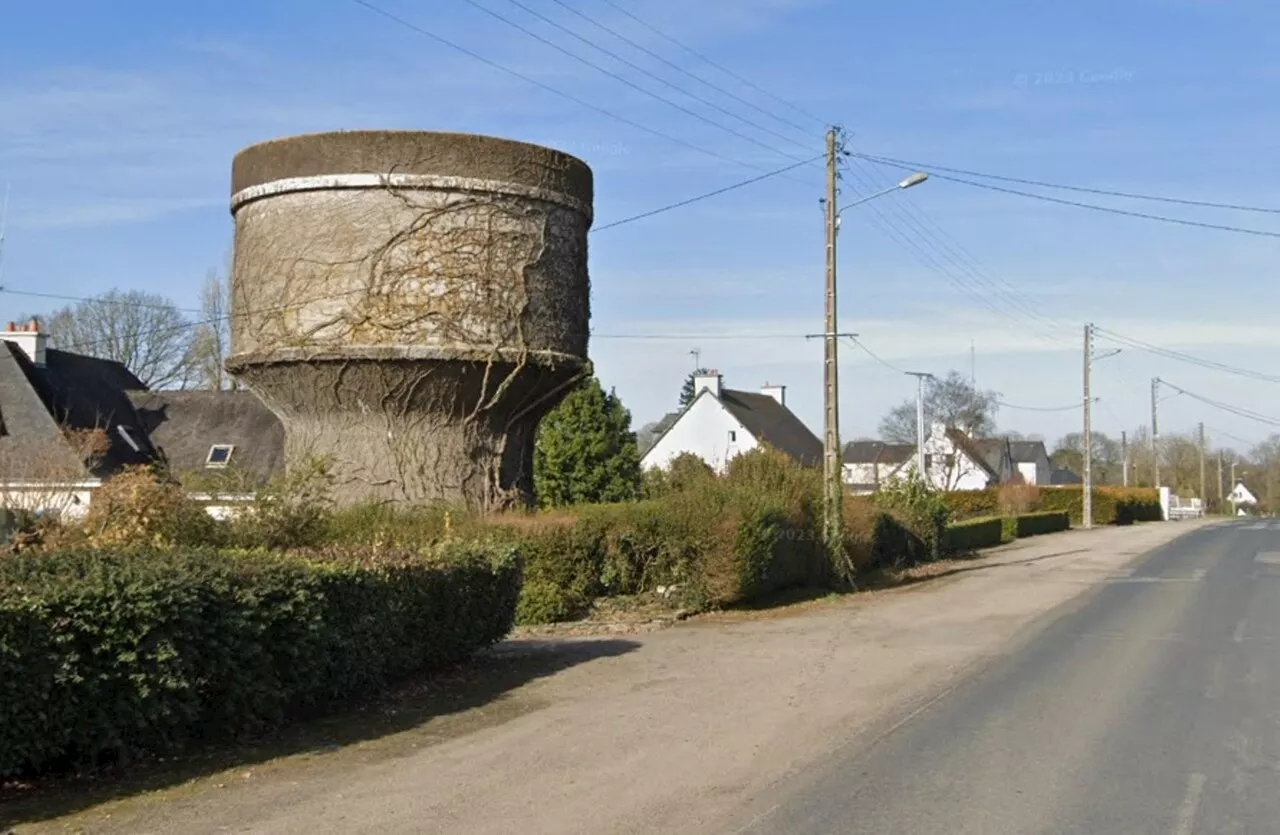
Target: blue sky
[[118, 122]]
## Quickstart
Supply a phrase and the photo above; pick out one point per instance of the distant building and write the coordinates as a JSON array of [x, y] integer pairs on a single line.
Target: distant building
[[720, 424], [68, 421]]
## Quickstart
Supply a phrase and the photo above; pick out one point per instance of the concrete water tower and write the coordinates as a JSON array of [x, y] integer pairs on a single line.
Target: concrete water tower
[[411, 304]]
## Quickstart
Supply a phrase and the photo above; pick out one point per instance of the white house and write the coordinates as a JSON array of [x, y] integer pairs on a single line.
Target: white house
[[954, 461], [1031, 460], [870, 464], [720, 423], [1240, 496], [67, 421]]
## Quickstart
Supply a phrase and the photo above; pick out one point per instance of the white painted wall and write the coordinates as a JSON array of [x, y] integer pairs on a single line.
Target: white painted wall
[[946, 468], [69, 500], [1030, 472], [707, 430]]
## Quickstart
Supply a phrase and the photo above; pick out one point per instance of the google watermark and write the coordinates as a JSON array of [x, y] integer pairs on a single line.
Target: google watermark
[[588, 150], [1064, 77]]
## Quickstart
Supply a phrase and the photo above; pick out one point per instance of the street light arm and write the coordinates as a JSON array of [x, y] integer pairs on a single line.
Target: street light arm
[[913, 180]]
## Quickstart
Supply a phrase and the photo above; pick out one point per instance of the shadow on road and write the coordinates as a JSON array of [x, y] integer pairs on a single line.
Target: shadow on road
[[435, 708]]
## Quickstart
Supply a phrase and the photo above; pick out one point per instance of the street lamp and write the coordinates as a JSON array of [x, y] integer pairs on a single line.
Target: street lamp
[[907, 182], [833, 476]]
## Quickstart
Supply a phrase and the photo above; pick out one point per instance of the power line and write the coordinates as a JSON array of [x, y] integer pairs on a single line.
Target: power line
[[875, 356], [643, 71], [1069, 408], [569, 96], [901, 163], [622, 79], [1169, 353], [711, 63], [708, 194], [1239, 411], [1110, 210], [678, 68]]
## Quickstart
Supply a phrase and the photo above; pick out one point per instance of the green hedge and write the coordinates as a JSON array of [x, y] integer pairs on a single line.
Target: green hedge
[[1111, 505], [102, 654], [973, 534], [1034, 524]]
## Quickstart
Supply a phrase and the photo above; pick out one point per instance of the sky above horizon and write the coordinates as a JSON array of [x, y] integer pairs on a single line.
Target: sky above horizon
[[118, 123]]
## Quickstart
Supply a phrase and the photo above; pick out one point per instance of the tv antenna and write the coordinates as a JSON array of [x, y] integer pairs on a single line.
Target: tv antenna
[[697, 358]]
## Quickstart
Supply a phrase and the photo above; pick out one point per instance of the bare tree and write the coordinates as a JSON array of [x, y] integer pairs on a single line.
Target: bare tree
[[143, 331], [953, 400], [212, 338]]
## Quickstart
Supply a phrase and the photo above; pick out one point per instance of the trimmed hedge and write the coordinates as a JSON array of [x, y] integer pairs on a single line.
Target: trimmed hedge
[[105, 654], [1111, 505], [1034, 524], [973, 534]]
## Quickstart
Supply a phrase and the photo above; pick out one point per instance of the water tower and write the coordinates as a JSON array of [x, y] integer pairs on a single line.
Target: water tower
[[411, 304]]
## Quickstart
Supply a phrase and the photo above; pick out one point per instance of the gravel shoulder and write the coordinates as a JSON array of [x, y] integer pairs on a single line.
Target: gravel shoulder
[[672, 730]]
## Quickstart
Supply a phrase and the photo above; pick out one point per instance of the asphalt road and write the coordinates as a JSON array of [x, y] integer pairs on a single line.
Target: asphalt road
[[1152, 705]]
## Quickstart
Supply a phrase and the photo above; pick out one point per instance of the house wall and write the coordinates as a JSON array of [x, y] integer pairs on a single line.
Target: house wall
[[963, 473], [867, 473], [707, 430], [70, 501], [1036, 472]]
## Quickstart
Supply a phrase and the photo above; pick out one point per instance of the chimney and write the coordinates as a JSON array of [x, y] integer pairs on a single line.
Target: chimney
[[778, 393], [30, 339], [709, 380]]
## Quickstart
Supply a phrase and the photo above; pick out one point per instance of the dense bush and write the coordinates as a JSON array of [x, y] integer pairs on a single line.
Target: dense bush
[[972, 534], [923, 510], [103, 654]]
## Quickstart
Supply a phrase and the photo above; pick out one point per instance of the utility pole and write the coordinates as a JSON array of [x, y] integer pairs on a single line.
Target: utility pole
[[1155, 433], [1124, 456], [920, 376], [1087, 493], [1221, 503], [833, 487], [1204, 500], [1233, 488], [973, 364]]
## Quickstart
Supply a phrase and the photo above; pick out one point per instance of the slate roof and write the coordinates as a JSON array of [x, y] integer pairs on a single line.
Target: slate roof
[[184, 425], [1062, 476], [70, 391], [774, 424], [656, 431], [876, 452], [1026, 452]]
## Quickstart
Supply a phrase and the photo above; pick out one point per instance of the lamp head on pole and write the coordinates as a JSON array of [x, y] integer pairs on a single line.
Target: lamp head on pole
[[914, 180]]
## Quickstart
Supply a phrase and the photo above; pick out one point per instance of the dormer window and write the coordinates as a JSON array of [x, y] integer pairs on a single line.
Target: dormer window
[[219, 455]]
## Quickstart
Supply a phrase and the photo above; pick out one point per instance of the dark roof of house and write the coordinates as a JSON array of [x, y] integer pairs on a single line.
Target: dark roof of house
[[1027, 451], [185, 425], [774, 424], [982, 451], [1064, 476], [876, 452], [32, 445], [74, 392]]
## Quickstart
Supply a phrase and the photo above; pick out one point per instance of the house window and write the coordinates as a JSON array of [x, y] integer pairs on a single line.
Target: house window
[[733, 436], [928, 460], [219, 455], [128, 438], [951, 461]]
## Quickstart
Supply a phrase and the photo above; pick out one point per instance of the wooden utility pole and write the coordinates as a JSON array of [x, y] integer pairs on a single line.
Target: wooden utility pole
[[1155, 434], [833, 488], [1124, 457], [1204, 499], [1221, 500], [1087, 492]]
